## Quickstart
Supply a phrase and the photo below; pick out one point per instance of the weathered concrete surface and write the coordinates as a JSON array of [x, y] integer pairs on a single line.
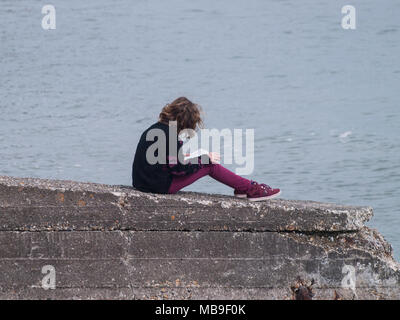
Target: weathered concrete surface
[[27, 206], [109, 242]]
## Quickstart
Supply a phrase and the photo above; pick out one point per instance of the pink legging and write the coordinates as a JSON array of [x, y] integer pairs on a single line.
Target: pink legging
[[215, 171]]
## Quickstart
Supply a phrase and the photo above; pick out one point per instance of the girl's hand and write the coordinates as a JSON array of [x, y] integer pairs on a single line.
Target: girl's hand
[[214, 157]]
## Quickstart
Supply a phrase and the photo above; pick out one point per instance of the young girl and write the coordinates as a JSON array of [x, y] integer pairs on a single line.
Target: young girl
[[173, 175]]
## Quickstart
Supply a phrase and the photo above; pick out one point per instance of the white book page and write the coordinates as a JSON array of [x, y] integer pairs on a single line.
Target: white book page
[[196, 154]]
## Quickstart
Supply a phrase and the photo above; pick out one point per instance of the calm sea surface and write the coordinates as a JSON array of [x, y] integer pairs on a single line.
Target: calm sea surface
[[324, 102]]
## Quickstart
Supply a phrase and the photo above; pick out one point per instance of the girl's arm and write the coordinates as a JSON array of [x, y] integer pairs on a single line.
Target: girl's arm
[[175, 167]]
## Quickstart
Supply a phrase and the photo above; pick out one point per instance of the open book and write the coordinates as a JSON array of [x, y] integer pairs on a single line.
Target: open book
[[196, 154]]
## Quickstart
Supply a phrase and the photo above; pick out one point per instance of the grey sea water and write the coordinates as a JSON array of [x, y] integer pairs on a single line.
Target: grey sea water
[[324, 102]]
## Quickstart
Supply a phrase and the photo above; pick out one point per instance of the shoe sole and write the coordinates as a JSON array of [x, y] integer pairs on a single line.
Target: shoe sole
[[265, 198], [241, 195]]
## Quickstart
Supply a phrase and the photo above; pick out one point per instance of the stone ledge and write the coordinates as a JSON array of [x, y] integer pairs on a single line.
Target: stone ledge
[[113, 242], [37, 204]]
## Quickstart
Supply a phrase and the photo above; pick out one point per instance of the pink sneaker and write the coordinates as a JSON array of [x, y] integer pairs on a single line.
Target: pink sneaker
[[260, 192], [241, 193]]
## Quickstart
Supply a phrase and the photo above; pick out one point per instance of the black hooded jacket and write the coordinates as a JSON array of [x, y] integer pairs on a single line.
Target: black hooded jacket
[[158, 177]]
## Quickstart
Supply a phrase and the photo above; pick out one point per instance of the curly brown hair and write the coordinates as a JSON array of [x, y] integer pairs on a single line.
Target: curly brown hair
[[186, 113]]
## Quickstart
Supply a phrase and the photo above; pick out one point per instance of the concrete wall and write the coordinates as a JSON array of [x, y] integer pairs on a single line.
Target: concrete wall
[[110, 242]]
